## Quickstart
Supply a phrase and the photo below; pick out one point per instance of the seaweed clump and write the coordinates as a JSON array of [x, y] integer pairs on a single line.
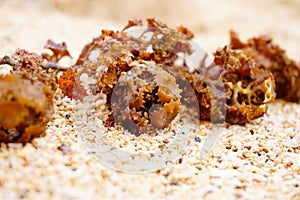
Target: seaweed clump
[[26, 94], [134, 70], [271, 56], [25, 109], [128, 70], [249, 88], [152, 99]]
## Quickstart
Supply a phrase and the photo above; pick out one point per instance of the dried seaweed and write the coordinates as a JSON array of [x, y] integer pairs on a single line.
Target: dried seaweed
[[26, 93], [25, 109], [270, 56], [249, 89], [111, 56]]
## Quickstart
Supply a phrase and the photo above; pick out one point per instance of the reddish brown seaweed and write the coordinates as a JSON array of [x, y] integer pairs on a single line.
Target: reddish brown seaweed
[[248, 88], [269, 55], [26, 93], [25, 109], [112, 56]]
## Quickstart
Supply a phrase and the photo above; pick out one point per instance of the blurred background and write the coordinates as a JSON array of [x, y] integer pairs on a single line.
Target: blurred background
[[29, 23]]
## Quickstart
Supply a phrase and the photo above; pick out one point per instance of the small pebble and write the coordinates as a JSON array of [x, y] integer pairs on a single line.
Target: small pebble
[[197, 139], [64, 148]]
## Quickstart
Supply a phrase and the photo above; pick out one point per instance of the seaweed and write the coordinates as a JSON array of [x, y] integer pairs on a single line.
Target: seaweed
[[271, 56]]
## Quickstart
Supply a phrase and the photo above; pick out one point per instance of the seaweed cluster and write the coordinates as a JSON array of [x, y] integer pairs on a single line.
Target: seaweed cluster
[[25, 109], [116, 58], [26, 94], [271, 56], [147, 96], [146, 77], [249, 88]]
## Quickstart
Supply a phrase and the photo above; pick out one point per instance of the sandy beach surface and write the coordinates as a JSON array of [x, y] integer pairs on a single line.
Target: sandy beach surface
[[258, 161]]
